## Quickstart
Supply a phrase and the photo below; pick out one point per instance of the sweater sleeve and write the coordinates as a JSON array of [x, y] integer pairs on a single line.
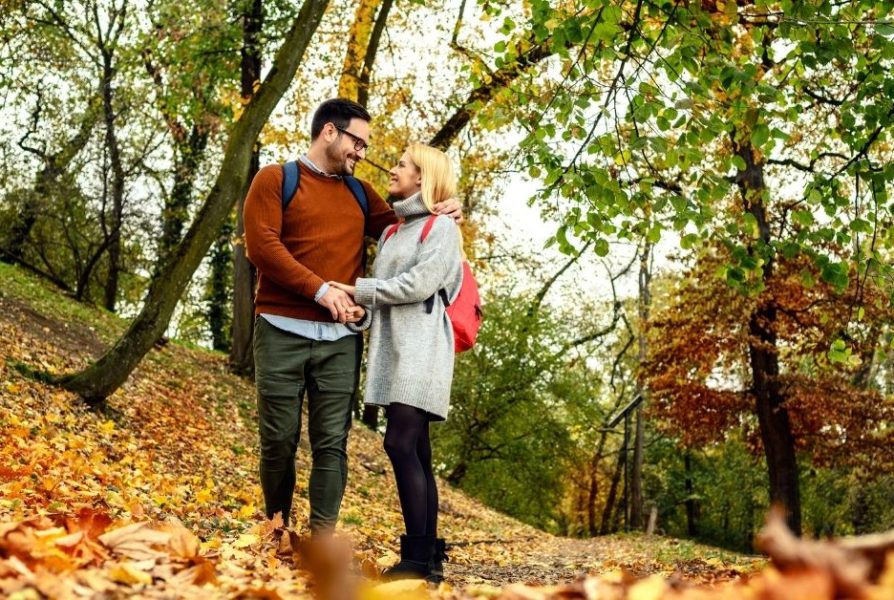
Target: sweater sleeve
[[439, 256], [263, 218]]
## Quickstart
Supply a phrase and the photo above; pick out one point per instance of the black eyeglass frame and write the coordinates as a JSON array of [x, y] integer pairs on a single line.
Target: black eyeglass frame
[[359, 143]]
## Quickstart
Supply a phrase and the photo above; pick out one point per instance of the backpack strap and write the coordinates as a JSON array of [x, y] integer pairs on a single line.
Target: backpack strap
[[359, 193], [426, 229], [391, 231], [291, 176]]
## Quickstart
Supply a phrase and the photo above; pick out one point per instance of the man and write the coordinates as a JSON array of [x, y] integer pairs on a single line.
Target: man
[[301, 341]]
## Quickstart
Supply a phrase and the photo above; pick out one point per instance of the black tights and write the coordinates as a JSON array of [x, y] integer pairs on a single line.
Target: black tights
[[409, 447]]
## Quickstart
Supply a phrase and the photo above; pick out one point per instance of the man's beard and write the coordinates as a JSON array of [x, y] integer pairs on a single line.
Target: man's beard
[[338, 163]]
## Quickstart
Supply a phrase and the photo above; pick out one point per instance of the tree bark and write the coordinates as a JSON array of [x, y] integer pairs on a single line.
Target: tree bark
[[611, 501], [176, 212], [244, 275], [112, 233], [691, 504], [108, 373], [219, 290], [636, 474], [358, 43], [769, 398]]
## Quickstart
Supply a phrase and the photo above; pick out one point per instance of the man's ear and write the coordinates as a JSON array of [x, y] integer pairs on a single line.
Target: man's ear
[[330, 131]]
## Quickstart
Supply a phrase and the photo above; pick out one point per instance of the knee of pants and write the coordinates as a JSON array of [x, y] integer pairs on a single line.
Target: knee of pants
[[278, 450], [399, 446]]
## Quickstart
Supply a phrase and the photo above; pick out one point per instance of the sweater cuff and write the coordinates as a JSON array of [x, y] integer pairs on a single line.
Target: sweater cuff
[[362, 325], [365, 291]]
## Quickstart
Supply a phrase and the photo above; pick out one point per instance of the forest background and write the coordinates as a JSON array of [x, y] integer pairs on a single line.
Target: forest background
[[714, 176]]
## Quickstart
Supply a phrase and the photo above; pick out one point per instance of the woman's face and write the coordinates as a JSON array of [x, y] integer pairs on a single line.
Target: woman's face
[[406, 179]]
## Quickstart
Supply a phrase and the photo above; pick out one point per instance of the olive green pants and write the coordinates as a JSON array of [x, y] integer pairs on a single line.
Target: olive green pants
[[285, 366]]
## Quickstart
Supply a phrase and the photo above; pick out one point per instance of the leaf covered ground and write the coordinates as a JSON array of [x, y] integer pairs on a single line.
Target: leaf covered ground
[[157, 496]]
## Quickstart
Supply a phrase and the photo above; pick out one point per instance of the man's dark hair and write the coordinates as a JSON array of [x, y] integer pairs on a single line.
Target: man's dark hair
[[339, 112]]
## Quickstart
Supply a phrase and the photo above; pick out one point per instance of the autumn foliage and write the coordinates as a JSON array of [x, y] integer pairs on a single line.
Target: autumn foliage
[[699, 375]]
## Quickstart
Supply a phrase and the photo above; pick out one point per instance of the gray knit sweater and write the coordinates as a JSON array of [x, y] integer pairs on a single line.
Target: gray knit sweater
[[410, 357]]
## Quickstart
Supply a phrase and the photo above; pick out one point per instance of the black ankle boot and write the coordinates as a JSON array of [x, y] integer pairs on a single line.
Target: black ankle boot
[[416, 553], [439, 557]]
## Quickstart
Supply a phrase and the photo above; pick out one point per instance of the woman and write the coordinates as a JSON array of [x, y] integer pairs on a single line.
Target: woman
[[410, 358]]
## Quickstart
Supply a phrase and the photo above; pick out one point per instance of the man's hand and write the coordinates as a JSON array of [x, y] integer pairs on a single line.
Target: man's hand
[[452, 208], [338, 302], [348, 289]]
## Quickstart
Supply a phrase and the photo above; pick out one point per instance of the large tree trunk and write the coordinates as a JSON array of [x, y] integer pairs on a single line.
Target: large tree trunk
[[776, 430], [244, 276], [107, 374], [769, 398]]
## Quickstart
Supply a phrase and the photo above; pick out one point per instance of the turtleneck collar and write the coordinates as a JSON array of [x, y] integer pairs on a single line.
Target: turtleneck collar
[[411, 207]]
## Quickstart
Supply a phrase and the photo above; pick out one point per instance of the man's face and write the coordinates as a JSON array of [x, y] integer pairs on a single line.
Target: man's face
[[342, 152]]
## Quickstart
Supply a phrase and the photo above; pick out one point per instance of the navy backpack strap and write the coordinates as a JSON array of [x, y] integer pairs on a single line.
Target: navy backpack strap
[[359, 193], [291, 175]]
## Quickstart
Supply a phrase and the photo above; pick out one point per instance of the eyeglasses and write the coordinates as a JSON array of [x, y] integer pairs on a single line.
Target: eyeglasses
[[359, 143]]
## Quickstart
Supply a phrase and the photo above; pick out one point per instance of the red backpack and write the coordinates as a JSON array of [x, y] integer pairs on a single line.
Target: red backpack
[[465, 310]]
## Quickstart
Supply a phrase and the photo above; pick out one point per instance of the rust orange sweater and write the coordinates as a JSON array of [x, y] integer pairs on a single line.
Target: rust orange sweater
[[318, 238]]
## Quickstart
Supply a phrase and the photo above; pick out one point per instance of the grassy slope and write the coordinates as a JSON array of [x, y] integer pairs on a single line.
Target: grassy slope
[[179, 441]]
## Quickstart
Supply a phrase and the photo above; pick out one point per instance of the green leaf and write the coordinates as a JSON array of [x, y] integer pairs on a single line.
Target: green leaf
[[760, 135], [739, 162], [803, 218], [839, 352]]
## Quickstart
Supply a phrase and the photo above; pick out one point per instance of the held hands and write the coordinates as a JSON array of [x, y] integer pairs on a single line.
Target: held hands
[[348, 289], [452, 208], [353, 313], [340, 305]]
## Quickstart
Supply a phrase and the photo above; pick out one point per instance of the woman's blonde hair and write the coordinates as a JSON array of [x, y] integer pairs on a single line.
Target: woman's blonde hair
[[438, 177]]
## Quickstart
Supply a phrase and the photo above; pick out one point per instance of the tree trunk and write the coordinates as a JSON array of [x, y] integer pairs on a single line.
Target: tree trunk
[[219, 290], [358, 42], [118, 183], [644, 302], [593, 494], [371, 50], [775, 427], [769, 398], [107, 374], [691, 504], [244, 275], [456, 476], [611, 501], [176, 212]]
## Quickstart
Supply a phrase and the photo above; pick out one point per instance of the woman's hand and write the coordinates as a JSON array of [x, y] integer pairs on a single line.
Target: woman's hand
[[355, 314], [348, 289]]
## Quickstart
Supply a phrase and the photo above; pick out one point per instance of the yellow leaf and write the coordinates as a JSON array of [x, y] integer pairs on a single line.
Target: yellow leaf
[[245, 540], [651, 588], [404, 589], [107, 426], [127, 574]]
